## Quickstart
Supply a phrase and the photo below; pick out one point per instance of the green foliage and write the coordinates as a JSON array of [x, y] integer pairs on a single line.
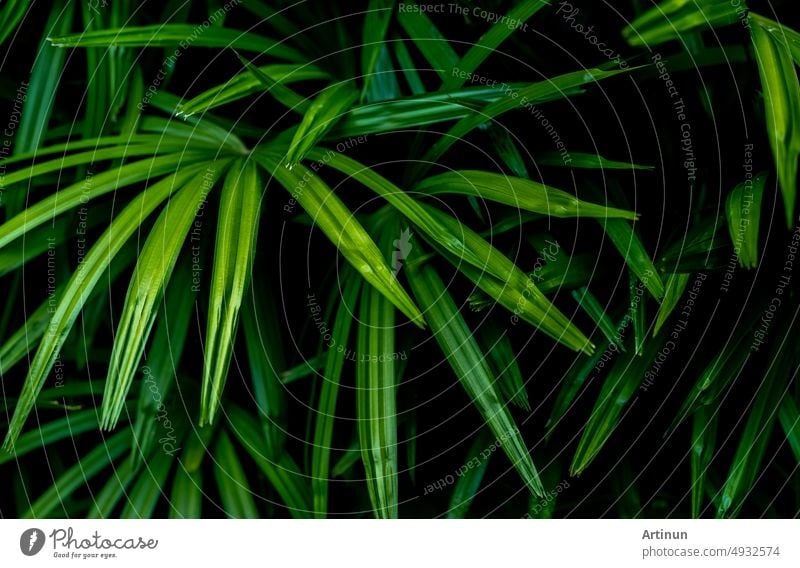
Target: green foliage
[[303, 261]]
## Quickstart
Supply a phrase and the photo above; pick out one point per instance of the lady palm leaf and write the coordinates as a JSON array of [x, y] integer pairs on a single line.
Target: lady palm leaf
[[102, 183], [274, 78], [329, 393], [429, 40], [169, 340], [76, 477], [488, 268], [262, 334], [80, 286], [10, 15], [109, 496], [171, 35], [467, 485], [143, 497], [743, 207], [672, 18], [619, 387], [234, 490], [153, 271], [519, 193], [624, 237], [318, 119], [376, 23], [343, 229], [704, 440], [782, 106], [491, 40], [282, 472], [469, 363], [676, 285], [233, 258], [186, 496], [376, 384], [761, 419], [522, 98]]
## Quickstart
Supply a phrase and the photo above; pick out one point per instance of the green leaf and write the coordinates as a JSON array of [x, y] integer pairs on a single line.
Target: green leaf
[[504, 363], [187, 495], [110, 495], [783, 34], [237, 229], [272, 79], [517, 192], [181, 35], [283, 473], [746, 466], [163, 359], [152, 274], [673, 18], [45, 435], [326, 109], [143, 497], [376, 392], [376, 23], [79, 288], [626, 241], [343, 230], [704, 441], [234, 490], [524, 98], [10, 16], [408, 67], [265, 354], [77, 194], [491, 40], [618, 388], [782, 106], [43, 83], [676, 285], [428, 39], [503, 281], [743, 207], [412, 112], [592, 306], [470, 366], [586, 161], [470, 475], [78, 475], [329, 393], [789, 417]]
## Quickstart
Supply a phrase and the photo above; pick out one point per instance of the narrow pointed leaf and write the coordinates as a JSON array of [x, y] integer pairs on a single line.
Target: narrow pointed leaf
[[343, 230], [519, 193], [376, 385], [743, 208], [782, 106], [79, 289], [153, 271], [234, 489], [237, 228], [489, 42], [171, 35], [320, 116], [676, 285], [329, 393], [470, 366]]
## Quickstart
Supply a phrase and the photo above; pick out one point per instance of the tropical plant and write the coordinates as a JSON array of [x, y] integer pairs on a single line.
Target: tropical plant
[[463, 340]]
